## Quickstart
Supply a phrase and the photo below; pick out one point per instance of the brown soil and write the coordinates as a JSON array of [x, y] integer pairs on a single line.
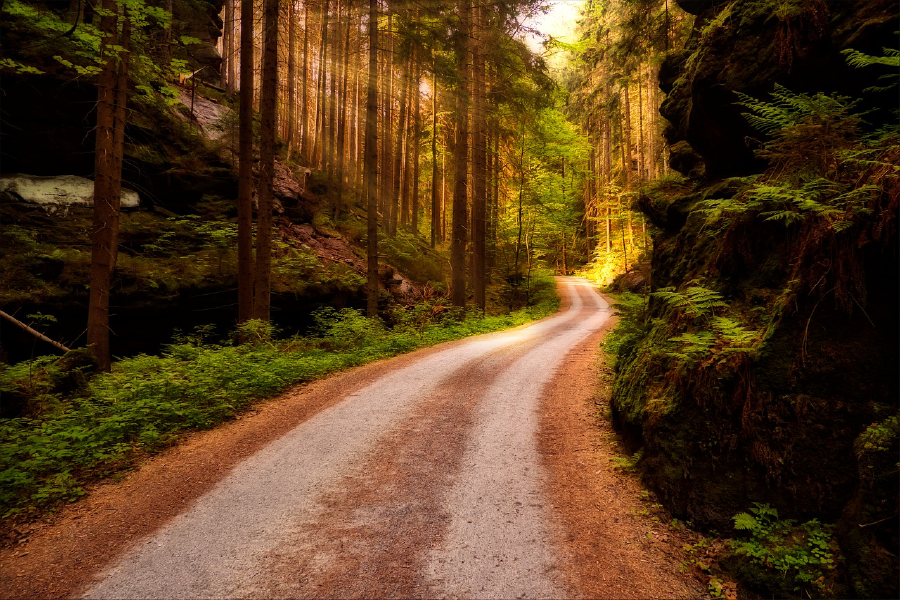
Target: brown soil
[[57, 556], [617, 546], [605, 536]]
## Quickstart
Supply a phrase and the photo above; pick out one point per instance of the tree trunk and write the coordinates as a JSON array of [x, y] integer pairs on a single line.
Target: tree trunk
[[396, 207], [371, 164], [435, 201], [245, 168], [495, 198], [107, 180], [333, 100], [318, 148], [304, 111], [267, 104], [626, 135], [642, 177], [607, 176], [229, 47], [342, 127], [479, 143], [386, 151], [417, 136], [461, 155], [291, 76]]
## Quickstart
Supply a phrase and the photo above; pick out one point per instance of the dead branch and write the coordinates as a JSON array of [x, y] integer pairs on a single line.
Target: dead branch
[[33, 332]]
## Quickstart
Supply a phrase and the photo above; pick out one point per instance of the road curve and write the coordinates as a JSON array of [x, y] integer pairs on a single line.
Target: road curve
[[425, 482]]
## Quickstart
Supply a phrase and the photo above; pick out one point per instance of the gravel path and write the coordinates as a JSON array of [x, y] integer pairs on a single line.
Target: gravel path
[[446, 446]]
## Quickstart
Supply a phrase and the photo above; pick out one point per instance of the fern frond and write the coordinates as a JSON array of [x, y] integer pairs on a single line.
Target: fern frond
[[859, 60], [745, 522]]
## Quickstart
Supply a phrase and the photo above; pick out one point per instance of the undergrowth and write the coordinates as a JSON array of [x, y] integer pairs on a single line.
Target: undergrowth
[[85, 426], [784, 556]]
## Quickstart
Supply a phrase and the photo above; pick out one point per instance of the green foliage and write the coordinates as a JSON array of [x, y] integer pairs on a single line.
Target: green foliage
[[145, 402], [627, 463], [891, 59], [696, 301], [804, 556], [878, 437], [726, 335], [631, 310], [787, 109]]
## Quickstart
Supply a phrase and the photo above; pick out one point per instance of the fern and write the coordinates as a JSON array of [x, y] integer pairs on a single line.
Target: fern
[[891, 58], [745, 522], [788, 108], [694, 345], [738, 338], [696, 300]]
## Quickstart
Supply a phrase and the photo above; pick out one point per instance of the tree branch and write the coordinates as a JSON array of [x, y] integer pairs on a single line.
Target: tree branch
[[33, 332]]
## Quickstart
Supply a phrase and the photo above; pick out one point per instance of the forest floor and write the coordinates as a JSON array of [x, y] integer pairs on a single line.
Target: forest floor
[[477, 468]]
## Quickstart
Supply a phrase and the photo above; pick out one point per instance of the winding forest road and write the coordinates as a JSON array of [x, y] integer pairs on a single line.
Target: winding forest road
[[450, 472]]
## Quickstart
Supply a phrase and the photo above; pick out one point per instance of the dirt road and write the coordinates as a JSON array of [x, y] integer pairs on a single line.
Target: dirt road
[[439, 474]]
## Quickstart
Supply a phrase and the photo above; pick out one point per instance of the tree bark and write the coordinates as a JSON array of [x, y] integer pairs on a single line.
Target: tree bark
[[398, 159], [435, 201], [245, 168], [371, 164], [318, 147], [479, 143], [386, 151], [107, 177], [331, 132], [291, 76], [607, 176], [461, 155], [626, 134], [304, 111], [417, 135], [267, 104], [342, 127]]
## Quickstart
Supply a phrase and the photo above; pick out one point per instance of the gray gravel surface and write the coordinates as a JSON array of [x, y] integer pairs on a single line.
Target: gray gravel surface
[[498, 541]]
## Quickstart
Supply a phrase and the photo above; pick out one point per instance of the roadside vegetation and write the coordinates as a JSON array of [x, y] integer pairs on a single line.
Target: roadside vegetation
[[82, 426]]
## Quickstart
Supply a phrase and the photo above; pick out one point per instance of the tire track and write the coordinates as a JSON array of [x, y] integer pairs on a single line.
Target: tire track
[[221, 546], [378, 524]]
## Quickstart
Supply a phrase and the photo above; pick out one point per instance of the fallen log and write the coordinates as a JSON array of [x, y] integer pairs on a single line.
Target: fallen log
[[33, 332]]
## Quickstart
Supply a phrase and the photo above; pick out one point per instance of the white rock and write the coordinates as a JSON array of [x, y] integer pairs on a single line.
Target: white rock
[[62, 190]]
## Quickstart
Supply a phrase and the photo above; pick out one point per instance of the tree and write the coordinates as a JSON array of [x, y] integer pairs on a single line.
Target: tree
[[461, 160], [245, 168], [371, 164], [112, 95], [479, 151], [263, 270]]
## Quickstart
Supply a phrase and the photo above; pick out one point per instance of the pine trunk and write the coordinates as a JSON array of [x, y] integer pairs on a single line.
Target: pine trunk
[[435, 200], [479, 143], [245, 168], [461, 155], [291, 76], [304, 111], [398, 158], [106, 203], [386, 152], [229, 47], [417, 135], [371, 165], [342, 124], [331, 134], [267, 105]]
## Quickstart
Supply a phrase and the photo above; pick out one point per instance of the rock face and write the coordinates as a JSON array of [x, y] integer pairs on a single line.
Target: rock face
[[199, 19], [792, 424], [741, 46], [62, 190]]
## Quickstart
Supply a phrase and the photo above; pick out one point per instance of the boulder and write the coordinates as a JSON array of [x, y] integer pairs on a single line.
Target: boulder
[[59, 190]]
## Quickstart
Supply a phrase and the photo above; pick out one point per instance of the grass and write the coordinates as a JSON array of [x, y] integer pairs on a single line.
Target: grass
[[83, 427]]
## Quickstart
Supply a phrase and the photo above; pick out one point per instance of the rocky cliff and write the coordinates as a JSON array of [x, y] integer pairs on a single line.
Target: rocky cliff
[[765, 368]]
